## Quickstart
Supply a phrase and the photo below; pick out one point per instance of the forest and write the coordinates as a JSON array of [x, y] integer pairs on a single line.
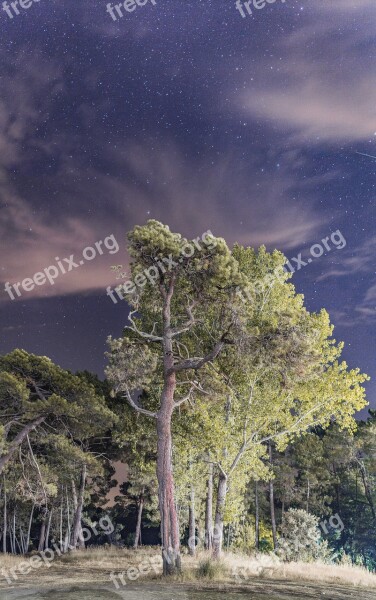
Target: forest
[[227, 405]]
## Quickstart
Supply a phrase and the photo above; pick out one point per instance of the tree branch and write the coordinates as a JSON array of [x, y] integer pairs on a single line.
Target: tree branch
[[137, 407], [143, 334]]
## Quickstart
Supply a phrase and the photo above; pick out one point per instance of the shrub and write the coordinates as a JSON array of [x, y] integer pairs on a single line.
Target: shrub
[[208, 569], [301, 538]]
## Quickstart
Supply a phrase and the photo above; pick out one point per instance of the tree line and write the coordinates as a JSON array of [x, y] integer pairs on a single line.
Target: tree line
[[221, 381]]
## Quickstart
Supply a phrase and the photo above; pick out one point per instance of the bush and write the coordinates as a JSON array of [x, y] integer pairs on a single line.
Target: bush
[[301, 538], [208, 569]]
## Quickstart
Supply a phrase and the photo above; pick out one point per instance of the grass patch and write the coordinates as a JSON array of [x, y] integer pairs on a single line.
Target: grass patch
[[210, 569]]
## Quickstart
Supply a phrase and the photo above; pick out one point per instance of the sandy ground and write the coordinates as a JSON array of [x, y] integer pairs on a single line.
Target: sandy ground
[[87, 576]]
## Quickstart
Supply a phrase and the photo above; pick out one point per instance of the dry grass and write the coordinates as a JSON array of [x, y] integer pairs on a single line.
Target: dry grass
[[269, 567], [93, 566]]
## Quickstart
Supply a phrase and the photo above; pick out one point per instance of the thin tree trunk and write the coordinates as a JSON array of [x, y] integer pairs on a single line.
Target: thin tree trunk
[[367, 488], [48, 530], [257, 517], [42, 534], [219, 516], [61, 519], [68, 530], [4, 460], [11, 538], [14, 531], [5, 517], [78, 514], [192, 523], [228, 536], [81, 542], [29, 528], [137, 536], [22, 542], [308, 493], [271, 498], [209, 511]]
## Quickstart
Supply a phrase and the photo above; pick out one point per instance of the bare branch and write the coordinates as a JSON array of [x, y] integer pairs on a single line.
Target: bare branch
[[137, 407], [197, 363], [188, 324], [143, 334]]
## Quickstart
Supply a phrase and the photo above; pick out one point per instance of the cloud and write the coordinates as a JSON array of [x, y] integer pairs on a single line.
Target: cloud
[[161, 182], [321, 84], [354, 261]]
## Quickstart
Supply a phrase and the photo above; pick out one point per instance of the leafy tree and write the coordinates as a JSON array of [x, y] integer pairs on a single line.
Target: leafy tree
[[160, 345]]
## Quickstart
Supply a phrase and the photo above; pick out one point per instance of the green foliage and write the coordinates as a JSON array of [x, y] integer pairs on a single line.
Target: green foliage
[[301, 538]]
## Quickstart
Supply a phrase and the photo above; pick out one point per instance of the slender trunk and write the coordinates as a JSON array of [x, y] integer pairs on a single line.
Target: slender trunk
[[257, 518], [228, 536], [48, 530], [5, 532], [219, 516], [42, 535], [68, 529], [22, 542], [209, 511], [137, 536], [308, 493], [192, 523], [14, 531], [271, 498], [29, 528], [78, 514], [4, 460], [81, 542], [367, 488], [11, 538], [61, 519]]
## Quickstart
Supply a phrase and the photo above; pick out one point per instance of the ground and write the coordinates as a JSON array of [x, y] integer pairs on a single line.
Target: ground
[[121, 570]]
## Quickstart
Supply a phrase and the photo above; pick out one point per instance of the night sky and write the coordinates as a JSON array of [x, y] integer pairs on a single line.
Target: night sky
[[255, 127]]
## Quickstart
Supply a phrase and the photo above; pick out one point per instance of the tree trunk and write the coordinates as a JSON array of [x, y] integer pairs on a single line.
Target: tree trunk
[[166, 488], [42, 534], [209, 511], [61, 520], [271, 499], [4, 460], [81, 542], [308, 493], [14, 532], [76, 528], [5, 516], [192, 524], [48, 530], [29, 528], [68, 529], [137, 536], [219, 516], [367, 487], [257, 518]]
